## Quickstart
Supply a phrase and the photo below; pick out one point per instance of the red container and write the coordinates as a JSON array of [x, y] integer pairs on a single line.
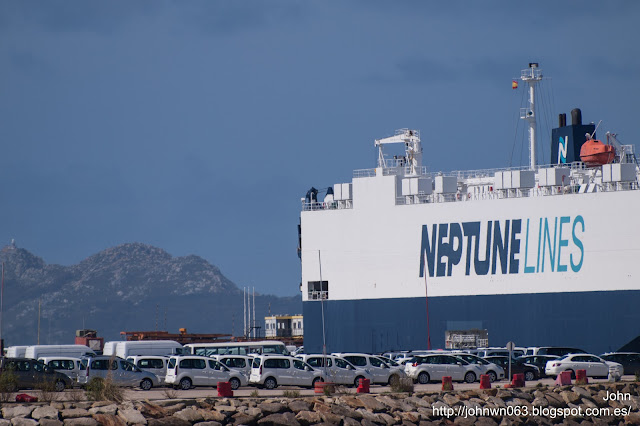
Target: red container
[[485, 381], [224, 389], [364, 386], [447, 383]]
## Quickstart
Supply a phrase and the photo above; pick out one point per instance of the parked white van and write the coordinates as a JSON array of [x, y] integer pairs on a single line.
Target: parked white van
[[381, 372], [72, 351], [337, 370], [188, 371], [154, 364], [143, 347], [271, 371], [66, 365], [15, 351], [236, 362]]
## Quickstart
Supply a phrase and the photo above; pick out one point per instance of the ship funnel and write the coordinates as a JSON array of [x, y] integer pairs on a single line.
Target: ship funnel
[[562, 120], [576, 117]]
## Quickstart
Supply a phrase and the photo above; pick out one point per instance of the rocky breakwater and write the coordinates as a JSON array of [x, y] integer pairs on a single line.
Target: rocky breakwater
[[599, 404]]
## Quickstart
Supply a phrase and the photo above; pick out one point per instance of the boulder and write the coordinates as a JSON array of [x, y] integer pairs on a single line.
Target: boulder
[[170, 409], [17, 411], [353, 402], [270, 408], [111, 409], [417, 402], [46, 411], [48, 422], [298, 405], [132, 417], [241, 419], [371, 403], [308, 417], [168, 421], [451, 400], [21, 421], [213, 416], [570, 397], [189, 414], [280, 419], [80, 421], [348, 421], [74, 413], [109, 420]]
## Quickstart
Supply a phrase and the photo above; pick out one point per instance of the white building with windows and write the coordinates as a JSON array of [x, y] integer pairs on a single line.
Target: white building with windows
[[283, 326]]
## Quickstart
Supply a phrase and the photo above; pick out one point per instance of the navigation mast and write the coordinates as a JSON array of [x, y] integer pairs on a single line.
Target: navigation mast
[[531, 76]]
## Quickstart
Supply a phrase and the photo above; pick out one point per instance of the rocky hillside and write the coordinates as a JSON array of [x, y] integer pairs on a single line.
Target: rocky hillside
[[132, 287]]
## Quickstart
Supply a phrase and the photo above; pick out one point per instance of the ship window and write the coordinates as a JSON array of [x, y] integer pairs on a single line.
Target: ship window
[[318, 290]]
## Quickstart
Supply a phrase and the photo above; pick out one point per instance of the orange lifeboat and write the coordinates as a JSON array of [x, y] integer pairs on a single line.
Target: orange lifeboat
[[594, 153]]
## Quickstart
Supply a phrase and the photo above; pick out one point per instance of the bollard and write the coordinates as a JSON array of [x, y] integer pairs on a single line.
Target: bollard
[[320, 386], [364, 386], [447, 383], [581, 377], [224, 389], [563, 378], [518, 380], [485, 381]]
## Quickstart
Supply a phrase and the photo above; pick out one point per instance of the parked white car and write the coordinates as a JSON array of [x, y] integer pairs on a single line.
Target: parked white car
[[121, 371], [380, 371], [337, 370], [592, 364], [185, 372], [271, 371], [66, 365], [494, 371], [154, 364], [236, 362], [426, 368]]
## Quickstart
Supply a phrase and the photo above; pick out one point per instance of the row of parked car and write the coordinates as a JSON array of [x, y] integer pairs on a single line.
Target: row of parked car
[[272, 370], [547, 361]]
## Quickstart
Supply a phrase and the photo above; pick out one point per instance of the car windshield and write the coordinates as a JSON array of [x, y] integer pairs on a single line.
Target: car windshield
[[389, 361], [563, 357]]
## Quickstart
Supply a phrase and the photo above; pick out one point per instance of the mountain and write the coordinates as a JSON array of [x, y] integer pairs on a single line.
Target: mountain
[[131, 287]]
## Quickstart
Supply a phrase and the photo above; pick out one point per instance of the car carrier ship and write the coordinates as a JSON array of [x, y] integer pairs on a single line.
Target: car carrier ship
[[399, 257]]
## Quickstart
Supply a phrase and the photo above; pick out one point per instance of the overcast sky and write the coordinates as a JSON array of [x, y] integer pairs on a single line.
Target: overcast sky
[[198, 126]]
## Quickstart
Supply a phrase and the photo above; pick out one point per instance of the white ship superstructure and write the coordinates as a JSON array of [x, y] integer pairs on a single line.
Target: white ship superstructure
[[547, 254]]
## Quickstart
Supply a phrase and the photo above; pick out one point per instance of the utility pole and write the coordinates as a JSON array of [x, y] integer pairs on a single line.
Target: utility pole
[[39, 300]]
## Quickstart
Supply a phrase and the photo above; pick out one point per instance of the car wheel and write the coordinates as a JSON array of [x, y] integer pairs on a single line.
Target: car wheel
[[470, 377], [423, 378], [393, 379], [529, 376], [492, 376], [316, 380], [573, 374], [270, 383], [60, 386], [185, 383], [357, 381], [146, 384], [235, 383]]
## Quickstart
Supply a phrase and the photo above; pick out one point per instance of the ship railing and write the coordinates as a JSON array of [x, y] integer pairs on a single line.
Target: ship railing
[[465, 174], [362, 173], [333, 205], [390, 171]]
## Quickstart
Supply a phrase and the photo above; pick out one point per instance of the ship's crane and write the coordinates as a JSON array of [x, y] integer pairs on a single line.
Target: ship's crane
[[413, 150], [625, 153]]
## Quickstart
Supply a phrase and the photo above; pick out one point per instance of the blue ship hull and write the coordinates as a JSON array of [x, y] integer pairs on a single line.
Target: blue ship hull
[[597, 322]]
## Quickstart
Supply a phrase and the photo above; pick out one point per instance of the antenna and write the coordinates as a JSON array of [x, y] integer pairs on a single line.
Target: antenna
[[594, 130]]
